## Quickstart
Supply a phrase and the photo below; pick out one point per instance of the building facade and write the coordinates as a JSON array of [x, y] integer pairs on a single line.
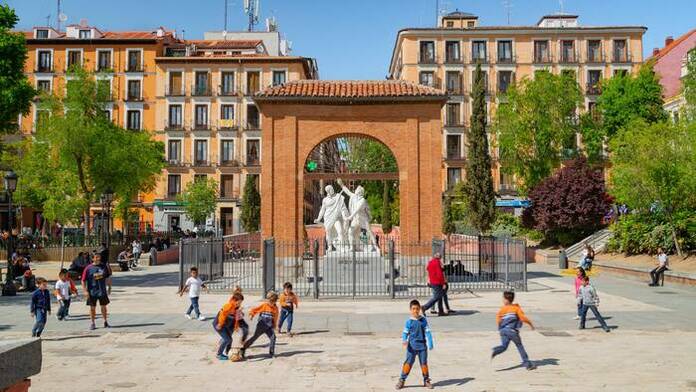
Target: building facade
[[446, 58], [670, 66]]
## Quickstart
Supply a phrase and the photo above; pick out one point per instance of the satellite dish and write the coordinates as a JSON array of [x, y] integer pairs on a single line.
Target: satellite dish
[[62, 17]]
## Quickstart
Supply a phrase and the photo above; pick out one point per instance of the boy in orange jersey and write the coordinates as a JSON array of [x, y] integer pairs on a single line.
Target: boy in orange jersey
[[224, 324], [268, 320], [510, 318], [288, 303]]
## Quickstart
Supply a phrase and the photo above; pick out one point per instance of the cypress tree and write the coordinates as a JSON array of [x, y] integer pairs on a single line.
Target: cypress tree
[[479, 181], [251, 206], [387, 223]]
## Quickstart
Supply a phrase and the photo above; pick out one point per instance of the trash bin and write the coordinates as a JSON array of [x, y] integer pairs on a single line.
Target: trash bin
[[562, 259]]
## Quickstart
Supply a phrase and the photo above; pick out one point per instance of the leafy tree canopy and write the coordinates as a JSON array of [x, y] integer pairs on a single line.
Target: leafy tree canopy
[[199, 199], [251, 206]]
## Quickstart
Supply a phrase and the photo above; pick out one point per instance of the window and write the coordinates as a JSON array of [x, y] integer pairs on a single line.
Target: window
[[454, 175], [45, 63], [507, 183], [253, 82], [74, 58], [470, 24], [227, 83], [43, 86], [278, 78], [454, 82], [226, 116], [175, 117], [173, 185], [452, 53], [133, 120], [252, 152], [505, 51], [201, 84], [133, 90], [252, 116], [427, 52], [427, 78], [478, 52], [42, 34], [107, 114], [134, 61], [593, 79], [620, 51], [227, 186], [226, 151], [453, 118], [504, 80], [454, 147], [201, 118], [541, 52], [85, 34], [174, 151], [176, 85], [201, 152], [568, 52], [103, 60], [594, 51]]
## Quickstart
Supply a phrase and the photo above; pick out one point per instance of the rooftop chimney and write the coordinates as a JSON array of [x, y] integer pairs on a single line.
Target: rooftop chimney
[[669, 40], [656, 51]]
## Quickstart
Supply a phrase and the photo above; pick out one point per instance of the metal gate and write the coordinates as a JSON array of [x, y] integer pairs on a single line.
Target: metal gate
[[393, 270]]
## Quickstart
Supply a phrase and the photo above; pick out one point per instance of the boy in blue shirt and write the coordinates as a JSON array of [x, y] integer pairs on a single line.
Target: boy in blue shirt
[[40, 306], [415, 336]]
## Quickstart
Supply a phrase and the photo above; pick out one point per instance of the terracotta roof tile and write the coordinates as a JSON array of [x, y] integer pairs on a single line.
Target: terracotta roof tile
[[225, 44], [672, 45], [347, 89]]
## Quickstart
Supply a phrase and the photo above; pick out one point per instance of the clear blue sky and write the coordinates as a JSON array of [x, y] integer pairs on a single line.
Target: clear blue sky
[[353, 39]]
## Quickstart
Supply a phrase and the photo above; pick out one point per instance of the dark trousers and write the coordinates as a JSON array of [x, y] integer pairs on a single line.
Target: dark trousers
[[263, 327], [245, 333], [194, 307], [411, 355], [64, 308], [39, 323], [226, 335], [510, 335], [583, 316], [286, 314], [580, 308], [656, 273], [438, 294]]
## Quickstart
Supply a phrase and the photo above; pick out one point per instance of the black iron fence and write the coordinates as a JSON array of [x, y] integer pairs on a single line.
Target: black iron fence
[[390, 269]]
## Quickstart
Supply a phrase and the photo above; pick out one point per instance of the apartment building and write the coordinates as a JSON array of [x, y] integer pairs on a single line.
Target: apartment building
[[209, 123], [670, 64], [446, 58]]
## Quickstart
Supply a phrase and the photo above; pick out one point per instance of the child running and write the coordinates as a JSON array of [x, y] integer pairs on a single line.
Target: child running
[[40, 307], [241, 324], [268, 320], [288, 303], [415, 336], [193, 285], [63, 290], [510, 318], [224, 324], [590, 301]]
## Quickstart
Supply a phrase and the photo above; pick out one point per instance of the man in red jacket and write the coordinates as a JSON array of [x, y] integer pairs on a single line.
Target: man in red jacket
[[438, 283]]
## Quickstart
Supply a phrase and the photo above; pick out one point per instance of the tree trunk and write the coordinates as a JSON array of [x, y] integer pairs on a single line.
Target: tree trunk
[[674, 234]]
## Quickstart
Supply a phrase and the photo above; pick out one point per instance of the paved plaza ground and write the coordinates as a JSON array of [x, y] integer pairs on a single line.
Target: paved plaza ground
[[345, 345]]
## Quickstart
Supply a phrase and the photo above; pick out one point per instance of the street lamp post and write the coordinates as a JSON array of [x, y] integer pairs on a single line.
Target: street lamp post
[[107, 198], [9, 288]]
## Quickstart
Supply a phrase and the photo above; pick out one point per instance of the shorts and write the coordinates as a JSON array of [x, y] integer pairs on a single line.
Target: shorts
[[103, 300]]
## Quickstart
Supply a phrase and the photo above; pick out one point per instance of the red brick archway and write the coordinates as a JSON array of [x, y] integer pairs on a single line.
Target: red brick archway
[[299, 115]]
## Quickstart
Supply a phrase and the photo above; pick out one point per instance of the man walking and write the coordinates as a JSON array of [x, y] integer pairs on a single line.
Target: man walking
[[95, 280], [438, 284]]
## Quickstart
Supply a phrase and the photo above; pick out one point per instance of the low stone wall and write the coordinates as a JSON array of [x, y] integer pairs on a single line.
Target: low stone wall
[[53, 254], [640, 273], [21, 359]]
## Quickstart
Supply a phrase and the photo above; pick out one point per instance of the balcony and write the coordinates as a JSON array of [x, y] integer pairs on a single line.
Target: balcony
[[201, 163], [507, 59], [252, 160], [43, 69], [174, 127], [105, 69], [426, 59], [478, 59], [174, 91], [201, 91], [252, 125], [568, 58], [593, 89], [201, 127], [595, 57], [227, 91], [454, 60], [454, 155], [455, 88], [543, 58], [454, 122], [134, 68], [134, 97], [175, 163], [621, 57], [229, 163]]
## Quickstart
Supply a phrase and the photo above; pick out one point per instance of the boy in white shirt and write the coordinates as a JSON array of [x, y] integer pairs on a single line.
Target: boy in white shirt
[[194, 285], [62, 293], [662, 264]]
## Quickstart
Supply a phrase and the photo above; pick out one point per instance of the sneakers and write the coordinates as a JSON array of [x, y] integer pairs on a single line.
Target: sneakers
[[223, 357], [188, 316], [201, 317], [427, 384], [531, 366], [607, 330], [92, 327], [399, 384], [107, 325], [576, 317]]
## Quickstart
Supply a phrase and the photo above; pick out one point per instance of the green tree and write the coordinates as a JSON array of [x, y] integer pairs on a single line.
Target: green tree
[[689, 85], [199, 199], [77, 153], [448, 217], [625, 98], [479, 182], [534, 124], [251, 206], [387, 222], [653, 168], [15, 91]]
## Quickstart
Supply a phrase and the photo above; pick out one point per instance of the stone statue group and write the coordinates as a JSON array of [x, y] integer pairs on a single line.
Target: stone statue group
[[341, 223]]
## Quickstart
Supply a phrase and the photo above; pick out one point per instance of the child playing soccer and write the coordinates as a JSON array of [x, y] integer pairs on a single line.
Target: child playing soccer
[[193, 285], [510, 318], [224, 324], [241, 324], [62, 292], [40, 306], [288, 303], [414, 337], [268, 320]]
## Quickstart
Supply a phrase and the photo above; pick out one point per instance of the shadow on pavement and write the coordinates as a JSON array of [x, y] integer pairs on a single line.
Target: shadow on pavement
[[297, 352], [157, 279], [137, 325], [539, 363], [312, 332], [3, 327], [60, 339], [453, 381], [541, 274]]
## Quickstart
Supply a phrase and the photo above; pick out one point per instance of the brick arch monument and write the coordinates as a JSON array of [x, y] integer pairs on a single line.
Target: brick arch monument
[[404, 116]]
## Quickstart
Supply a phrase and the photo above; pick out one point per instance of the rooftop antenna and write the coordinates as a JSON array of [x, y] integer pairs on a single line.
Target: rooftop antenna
[[508, 9], [48, 20], [59, 16], [437, 13], [561, 4], [225, 24], [251, 8]]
